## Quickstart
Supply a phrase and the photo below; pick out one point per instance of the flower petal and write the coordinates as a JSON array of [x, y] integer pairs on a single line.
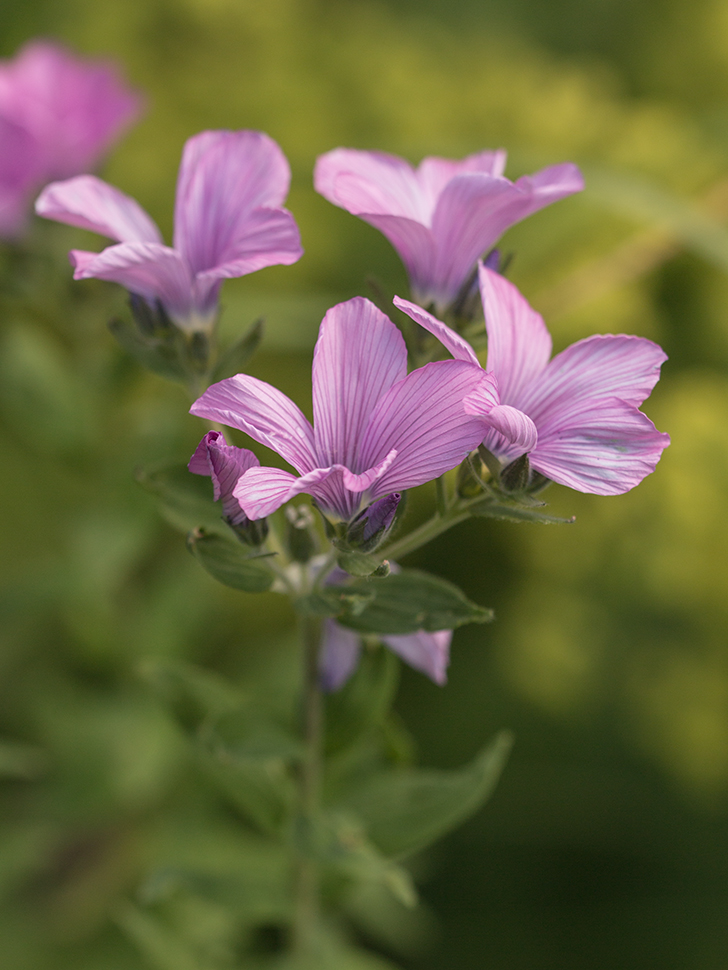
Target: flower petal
[[339, 655], [223, 177], [427, 652], [433, 174], [424, 419], [371, 183], [154, 272], [225, 464], [519, 345], [90, 203], [449, 338], [359, 355], [600, 366], [606, 450], [264, 413], [515, 426], [261, 491], [415, 245]]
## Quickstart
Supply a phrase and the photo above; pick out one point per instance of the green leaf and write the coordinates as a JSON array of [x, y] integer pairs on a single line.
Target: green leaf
[[250, 757], [237, 355], [363, 701], [489, 509], [337, 600], [405, 811], [408, 601], [186, 499], [194, 694], [227, 561]]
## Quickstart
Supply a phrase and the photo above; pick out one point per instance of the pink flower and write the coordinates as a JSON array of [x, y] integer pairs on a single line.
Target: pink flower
[[444, 215], [576, 416], [229, 222], [341, 647], [224, 464], [377, 430], [58, 116]]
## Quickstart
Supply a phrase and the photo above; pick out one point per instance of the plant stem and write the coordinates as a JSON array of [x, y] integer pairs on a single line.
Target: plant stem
[[427, 531], [307, 902]]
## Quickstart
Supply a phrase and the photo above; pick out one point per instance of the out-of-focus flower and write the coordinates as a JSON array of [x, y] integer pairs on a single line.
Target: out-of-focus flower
[[577, 416], [229, 222], [377, 430], [59, 115], [444, 215], [341, 647]]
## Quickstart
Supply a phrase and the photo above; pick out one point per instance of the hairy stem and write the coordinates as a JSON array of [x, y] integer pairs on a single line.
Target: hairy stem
[[307, 902]]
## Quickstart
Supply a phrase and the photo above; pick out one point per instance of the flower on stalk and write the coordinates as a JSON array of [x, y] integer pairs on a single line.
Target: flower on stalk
[[341, 648], [444, 215], [59, 114], [229, 222], [576, 416], [376, 431], [224, 464]]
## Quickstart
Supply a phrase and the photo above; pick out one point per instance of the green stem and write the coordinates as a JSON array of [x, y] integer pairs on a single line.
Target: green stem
[[307, 890], [442, 503], [427, 531]]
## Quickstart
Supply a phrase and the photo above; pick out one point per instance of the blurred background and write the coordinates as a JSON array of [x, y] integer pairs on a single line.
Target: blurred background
[[605, 844]]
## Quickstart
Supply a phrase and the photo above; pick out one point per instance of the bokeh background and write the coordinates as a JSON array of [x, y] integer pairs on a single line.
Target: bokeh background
[[605, 844]]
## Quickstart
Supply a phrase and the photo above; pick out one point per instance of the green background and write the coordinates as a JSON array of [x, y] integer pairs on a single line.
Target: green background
[[605, 843]]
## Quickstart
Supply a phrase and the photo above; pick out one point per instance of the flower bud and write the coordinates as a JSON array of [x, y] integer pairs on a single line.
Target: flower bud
[[515, 477], [369, 528]]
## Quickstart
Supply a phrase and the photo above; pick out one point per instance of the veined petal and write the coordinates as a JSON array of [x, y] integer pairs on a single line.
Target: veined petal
[[427, 652], [359, 355], [415, 245], [223, 177], [260, 491], [271, 239], [519, 345], [370, 183], [433, 174], [264, 413], [600, 366], [424, 419], [90, 203], [465, 225], [606, 450], [449, 338], [515, 426], [339, 655], [549, 185], [153, 271], [225, 464]]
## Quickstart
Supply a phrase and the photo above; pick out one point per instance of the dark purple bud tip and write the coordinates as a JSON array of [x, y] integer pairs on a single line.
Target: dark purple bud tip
[[370, 526]]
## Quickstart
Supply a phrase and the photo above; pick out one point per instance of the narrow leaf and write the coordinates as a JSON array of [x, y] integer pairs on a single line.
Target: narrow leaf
[[227, 561], [405, 811], [517, 513], [409, 601]]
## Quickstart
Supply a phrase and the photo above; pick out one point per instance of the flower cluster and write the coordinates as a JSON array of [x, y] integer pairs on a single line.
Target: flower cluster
[[59, 115]]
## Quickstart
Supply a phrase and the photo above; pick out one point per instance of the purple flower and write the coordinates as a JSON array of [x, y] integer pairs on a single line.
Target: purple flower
[[59, 115], [229, 221], [377, 430], [224, 464], [341, 647], [576, 416], [442, 216]]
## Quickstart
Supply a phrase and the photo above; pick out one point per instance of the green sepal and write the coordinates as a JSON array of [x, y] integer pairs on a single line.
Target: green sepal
[[405, 811], [363, 701], [411, 600], [360, 563], [227, 561], [239, 353], [162, 356], [186, 500]]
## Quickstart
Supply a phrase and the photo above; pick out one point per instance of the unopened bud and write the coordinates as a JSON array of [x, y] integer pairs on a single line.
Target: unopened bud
[[369, 528]]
